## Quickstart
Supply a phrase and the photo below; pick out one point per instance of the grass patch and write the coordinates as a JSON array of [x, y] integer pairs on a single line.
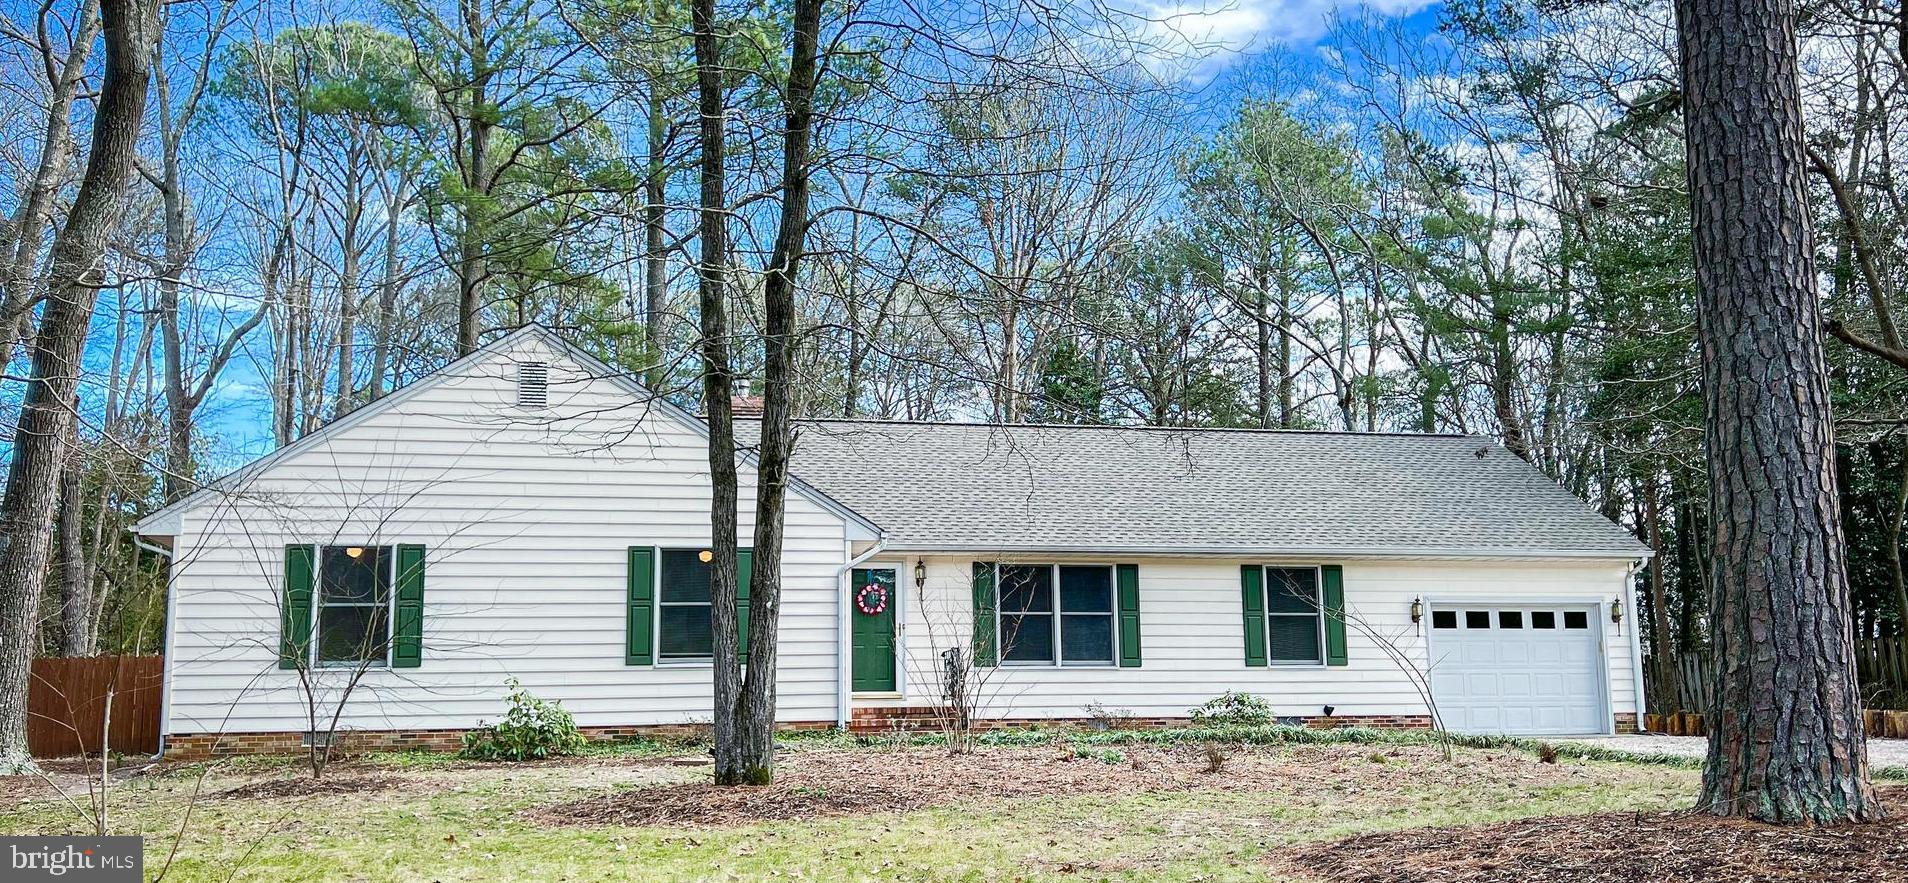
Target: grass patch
[[453, 821]]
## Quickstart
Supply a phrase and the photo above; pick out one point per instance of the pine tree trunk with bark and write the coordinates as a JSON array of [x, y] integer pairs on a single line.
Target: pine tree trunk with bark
[[46, 411], [1786, 742]]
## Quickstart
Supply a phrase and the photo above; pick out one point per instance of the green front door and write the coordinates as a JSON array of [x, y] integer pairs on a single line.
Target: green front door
[[873, 631]]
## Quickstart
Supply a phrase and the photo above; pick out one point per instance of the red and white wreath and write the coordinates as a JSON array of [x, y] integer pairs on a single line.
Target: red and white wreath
[[872, 599]]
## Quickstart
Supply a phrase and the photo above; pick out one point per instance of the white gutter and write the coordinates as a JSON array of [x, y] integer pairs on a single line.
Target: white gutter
[[843, 637], [1636, 641], [165, 651]]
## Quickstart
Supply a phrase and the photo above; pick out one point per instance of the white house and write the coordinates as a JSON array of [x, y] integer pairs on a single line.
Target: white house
[[529, 513]]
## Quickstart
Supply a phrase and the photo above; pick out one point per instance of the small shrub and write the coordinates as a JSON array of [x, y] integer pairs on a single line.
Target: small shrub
[[1230, 709], [1100, 717], [1546, 752], [1216, 756], [1108, 756], [531, 729]]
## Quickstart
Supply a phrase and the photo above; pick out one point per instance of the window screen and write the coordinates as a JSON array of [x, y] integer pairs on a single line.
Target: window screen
[[354, 604], [683, 606], [1294, 615]]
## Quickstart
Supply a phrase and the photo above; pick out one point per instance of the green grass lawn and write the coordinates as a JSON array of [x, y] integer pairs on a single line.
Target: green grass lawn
[[440, 820]]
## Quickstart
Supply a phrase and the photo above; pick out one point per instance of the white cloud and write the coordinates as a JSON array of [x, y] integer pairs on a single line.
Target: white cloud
[[1221, 32]]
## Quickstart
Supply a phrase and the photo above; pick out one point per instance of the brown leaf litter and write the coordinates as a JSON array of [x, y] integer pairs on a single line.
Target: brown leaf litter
[[305, 786], [832, 783], [1686, 847]]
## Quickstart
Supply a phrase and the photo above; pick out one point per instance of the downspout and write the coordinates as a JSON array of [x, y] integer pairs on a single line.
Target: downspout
[[843, 638], [1636, 643], [165, 672]]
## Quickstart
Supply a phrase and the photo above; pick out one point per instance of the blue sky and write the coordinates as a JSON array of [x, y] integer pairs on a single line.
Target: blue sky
[[1244, 40]]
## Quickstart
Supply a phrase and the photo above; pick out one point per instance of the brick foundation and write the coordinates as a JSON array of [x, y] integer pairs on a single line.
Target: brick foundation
[[874, 720], [204, 746], [917, 718]]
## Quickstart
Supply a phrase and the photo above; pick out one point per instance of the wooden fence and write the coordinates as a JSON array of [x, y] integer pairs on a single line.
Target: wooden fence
[[1881, 667], [67, 709]]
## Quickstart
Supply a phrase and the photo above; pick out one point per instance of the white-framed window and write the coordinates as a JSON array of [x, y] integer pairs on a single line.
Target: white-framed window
[[683, 630], [1057, 614], [352, 609], [1294, 616]]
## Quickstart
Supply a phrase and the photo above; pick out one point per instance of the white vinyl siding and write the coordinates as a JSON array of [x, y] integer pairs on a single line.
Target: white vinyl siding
[[1194, 637], [528, 517]]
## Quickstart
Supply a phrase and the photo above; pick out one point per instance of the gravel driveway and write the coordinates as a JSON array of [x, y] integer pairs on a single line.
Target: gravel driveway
[[1881, 752]]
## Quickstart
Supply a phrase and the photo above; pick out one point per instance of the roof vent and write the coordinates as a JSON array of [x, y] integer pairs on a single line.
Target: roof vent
[[533, 385]]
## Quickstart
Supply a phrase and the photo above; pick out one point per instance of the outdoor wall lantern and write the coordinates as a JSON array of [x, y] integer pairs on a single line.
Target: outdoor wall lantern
[[1616, 612], [920, 573], [1417, 610], [705, 556]]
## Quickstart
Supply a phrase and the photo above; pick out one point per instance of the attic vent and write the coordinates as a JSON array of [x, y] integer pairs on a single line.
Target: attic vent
[[533, 384]]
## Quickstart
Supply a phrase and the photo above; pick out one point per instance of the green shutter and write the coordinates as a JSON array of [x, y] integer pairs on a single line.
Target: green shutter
[[1334, 614], [1252, 594], [1128, 582], [744, 567], [407, 633], [294, 625], [985, 601], [639, 645]]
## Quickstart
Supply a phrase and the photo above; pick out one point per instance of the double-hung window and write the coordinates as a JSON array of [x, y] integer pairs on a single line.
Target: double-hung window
[[1057, 614], [1294, 616], [683, 607], [354, 605]]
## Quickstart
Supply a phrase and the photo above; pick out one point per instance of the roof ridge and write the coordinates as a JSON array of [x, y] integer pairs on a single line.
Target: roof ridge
[[994, 424]]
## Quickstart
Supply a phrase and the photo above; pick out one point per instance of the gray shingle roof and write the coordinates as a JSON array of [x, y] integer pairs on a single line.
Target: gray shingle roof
[[1057, 488]]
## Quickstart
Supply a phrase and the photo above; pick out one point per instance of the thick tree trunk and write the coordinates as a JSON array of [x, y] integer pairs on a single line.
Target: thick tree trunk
[[348, 298], [76, 578], [655, 235], [1504, 386], [1896, 517], [1288, 388], [177, 247], [46, 414], [1664, 674], [36, 202], [387, 293], [718, 385], [754, 757], [1262, 345], [473, 267], [1786, 741]]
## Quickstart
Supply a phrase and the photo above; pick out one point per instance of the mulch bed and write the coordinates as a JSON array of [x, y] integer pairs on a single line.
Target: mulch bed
[[1685, 847], [306, 786], [832, 783]]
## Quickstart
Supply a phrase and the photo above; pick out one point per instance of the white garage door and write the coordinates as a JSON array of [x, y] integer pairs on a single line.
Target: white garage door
[[1518, 669]]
